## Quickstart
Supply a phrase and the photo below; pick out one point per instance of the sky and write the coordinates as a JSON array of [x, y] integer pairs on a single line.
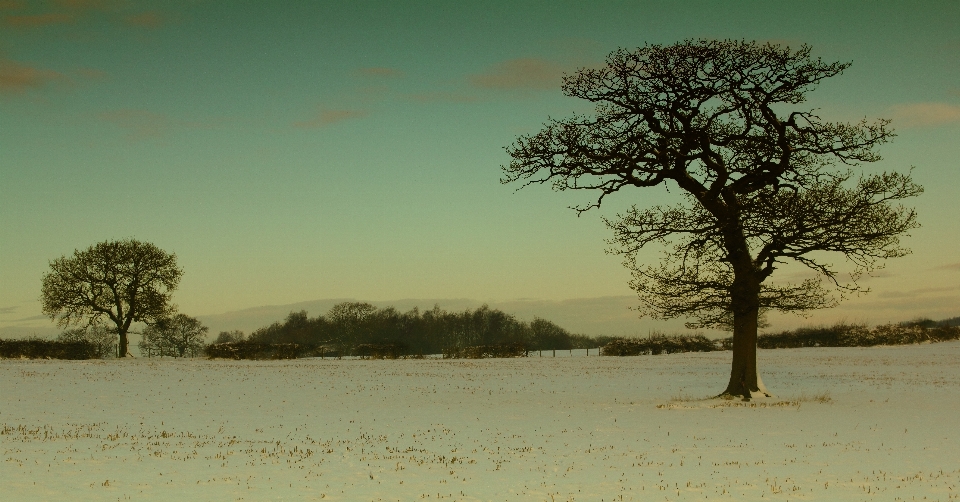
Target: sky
[[294, 151]]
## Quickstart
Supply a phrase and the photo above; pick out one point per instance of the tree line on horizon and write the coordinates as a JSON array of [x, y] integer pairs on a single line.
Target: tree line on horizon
[[479, 333], [349, 326]]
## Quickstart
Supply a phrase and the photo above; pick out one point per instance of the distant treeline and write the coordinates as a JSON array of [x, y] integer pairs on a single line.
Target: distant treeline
[[859, 335], [838, 335], [360, 329], [354, 329]]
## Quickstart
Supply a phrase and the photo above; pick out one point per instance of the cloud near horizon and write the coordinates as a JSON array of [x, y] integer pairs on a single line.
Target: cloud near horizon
[[925, 114], [18, 78], [62, 12], [140, 124], [93, 74], [443, 96], [520, 74], [149, 19], [37, 20], [379, 71], [325, 117]]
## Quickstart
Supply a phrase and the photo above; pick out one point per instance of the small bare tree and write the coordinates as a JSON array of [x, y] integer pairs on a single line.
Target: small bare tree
[[234, 336], [124, 281], [177, 336], [103, 338], [759, 187]]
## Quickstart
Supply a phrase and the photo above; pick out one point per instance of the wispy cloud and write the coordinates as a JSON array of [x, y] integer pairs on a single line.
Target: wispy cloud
[[952, 266], [31, 318], [92, 74], [60, 12], [140, 124], [326, 117], [925, 114], [86, 4], [520, 74], [18, 78], [444, 96], [379, 72], [150, 19], [916, 292], [8, 310], [37, 20]]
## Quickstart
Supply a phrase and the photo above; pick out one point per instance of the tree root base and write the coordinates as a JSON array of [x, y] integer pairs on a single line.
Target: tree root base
[[727, 395]]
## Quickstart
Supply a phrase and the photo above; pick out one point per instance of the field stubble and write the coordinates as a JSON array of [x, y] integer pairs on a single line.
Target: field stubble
[[845, 424]]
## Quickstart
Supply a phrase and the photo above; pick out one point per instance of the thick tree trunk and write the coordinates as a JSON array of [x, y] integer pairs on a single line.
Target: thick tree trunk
[[744, 377], [122, 348]]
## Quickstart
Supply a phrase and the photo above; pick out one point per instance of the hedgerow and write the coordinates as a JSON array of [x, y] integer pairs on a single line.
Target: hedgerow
[[838, 335], [37, 348]]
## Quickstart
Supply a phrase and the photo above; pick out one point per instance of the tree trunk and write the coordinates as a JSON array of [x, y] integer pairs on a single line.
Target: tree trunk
[[744, 377], [122, 349]]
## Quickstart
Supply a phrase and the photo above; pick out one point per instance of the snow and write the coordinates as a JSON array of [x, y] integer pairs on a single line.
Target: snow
[[845, 424]]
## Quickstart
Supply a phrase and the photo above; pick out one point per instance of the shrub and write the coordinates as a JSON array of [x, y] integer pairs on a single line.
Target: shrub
[[36, 348], [103, 338], [953, 321], [380, 351], [838, 335], [176, 336], [230, 337], [486, 351], [858, 335], [254, 350], [659, 344]]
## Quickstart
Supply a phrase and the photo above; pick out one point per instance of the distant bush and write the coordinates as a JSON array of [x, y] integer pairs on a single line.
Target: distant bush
[[349, 325], [36, 348], [659, 344], [859, 335], [230, 337], [381, 351], [838, 335], [591, 342], [255, 350], [486, 351], [953, 321], [103, 338], [176, 336]]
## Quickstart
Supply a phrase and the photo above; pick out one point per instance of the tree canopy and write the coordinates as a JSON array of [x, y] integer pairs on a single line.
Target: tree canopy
[[758, 176], [122, 281]]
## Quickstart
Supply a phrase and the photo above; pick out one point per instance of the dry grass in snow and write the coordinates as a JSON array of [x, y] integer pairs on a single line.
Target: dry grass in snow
[[846, 424]]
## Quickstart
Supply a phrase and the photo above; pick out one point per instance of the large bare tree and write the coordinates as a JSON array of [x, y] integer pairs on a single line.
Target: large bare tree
[[759, 180], [124, 281]]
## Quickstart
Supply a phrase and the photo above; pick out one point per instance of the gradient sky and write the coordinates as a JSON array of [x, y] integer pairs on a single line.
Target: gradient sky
[[290, 151]]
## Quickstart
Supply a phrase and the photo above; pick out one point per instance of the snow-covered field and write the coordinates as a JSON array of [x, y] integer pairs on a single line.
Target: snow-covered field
[[847, 424]]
